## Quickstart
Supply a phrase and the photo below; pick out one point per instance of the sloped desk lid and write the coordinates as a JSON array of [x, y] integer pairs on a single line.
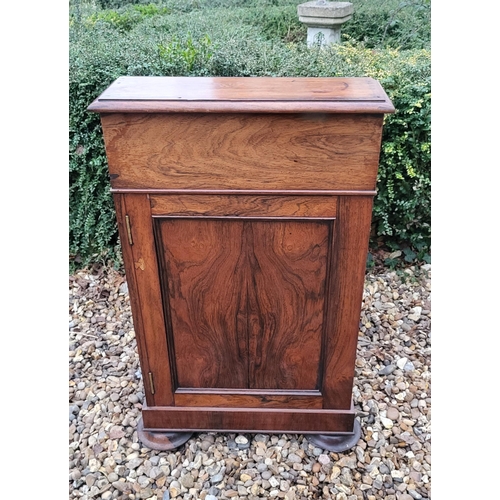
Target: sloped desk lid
[[157, 94]]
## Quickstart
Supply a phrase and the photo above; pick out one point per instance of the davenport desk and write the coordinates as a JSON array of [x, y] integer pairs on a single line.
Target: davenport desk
[[244, 208]]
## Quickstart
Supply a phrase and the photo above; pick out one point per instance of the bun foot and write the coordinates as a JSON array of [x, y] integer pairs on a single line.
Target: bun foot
[[337, 443], [162, 441]]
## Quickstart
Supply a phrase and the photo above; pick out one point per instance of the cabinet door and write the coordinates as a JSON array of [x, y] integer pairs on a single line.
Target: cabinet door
[[244, 300]]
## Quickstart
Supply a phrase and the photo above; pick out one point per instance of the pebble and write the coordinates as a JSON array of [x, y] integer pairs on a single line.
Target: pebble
[[135, 462], [175, 489], [415, 313], [387, 370], [133, 399], [335, 473], [295, 458], [261, 438], [205, 445], [409, 367], [401, 362], [347, 461], [415, 494], [216, 478], [187, 481], [392, 413], [386, 422], [392, 395], [274, 482]]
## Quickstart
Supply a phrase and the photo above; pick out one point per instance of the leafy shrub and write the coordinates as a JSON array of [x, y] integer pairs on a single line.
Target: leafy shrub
[[278, 23], [126, 19], [402, 212], [239, 42], [123, 21], [185, 55], [150, 9], [403, 24], [116, 4]]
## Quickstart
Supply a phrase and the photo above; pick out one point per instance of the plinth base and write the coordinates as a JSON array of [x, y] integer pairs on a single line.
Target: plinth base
[[162, 441], [168, 427], [337, 443]]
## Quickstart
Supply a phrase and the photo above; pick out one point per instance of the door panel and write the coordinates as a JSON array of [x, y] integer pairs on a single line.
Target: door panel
[[221, 205], [204, 282], [245, 300], [286, 297]]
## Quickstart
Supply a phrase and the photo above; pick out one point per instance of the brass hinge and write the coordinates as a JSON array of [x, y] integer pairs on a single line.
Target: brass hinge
[[129, 230], [151, 383]]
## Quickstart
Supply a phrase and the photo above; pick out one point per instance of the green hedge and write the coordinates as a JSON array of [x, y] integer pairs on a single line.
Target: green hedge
[[159, 39]]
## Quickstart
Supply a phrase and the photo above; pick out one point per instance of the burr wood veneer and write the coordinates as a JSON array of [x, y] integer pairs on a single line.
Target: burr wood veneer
[[244, 209]]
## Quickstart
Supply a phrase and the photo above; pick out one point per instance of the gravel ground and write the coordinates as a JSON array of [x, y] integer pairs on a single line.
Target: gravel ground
[[391, 395]]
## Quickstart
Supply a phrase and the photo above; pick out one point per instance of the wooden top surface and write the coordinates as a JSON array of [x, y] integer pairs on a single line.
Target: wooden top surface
[[130, 94]]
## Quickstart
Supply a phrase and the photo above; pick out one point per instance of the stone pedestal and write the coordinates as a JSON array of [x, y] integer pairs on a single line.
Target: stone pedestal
[[324, 20]]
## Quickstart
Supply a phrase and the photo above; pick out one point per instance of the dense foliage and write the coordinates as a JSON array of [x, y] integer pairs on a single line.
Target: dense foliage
[[386, 40]]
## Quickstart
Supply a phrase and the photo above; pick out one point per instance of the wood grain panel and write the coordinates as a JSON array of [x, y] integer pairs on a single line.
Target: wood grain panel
[[205, 269], [242, 151], [192, 88], [286, 302], [135, 304], [248, 419], [283, 107], [244, 205], [352, 230], [236, 94], [246, 301], [142, 267], [248, 400]]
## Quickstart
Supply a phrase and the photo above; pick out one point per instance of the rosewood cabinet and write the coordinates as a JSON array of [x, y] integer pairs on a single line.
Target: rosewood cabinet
[[244, 209]]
